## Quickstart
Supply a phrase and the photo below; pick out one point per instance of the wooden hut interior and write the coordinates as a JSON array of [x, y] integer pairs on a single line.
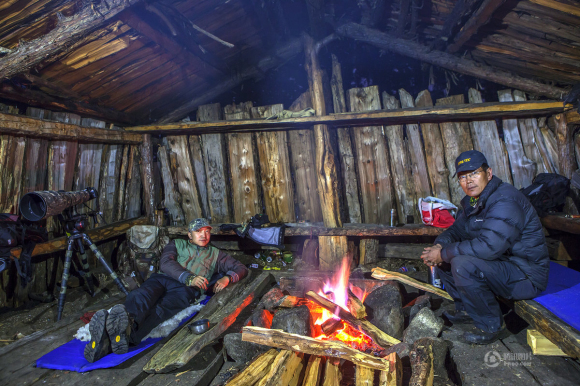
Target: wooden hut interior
[[339, 120]]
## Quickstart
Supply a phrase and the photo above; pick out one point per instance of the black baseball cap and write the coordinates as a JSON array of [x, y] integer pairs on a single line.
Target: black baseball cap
[[469, 160]]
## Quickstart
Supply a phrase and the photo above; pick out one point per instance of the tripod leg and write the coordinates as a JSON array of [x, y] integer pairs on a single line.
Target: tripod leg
[[65, 273], [101, 258], [86, 270]]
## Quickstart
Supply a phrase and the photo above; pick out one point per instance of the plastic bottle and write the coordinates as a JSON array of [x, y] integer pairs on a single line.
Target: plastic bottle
[[434, 279]]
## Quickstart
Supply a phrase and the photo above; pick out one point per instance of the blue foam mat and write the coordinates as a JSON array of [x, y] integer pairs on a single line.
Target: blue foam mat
[[562, 294], [70, 356]]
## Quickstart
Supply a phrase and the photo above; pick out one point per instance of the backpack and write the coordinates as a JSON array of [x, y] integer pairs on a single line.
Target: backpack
[[270, 235], [139, 254], [547, 193], [436, 212], [15, 232]]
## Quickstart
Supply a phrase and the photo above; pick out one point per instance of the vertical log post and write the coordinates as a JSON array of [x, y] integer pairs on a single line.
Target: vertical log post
[[565, 146], [326, 170], [147, 177], [347, 158], [369, 251], [172, 198]]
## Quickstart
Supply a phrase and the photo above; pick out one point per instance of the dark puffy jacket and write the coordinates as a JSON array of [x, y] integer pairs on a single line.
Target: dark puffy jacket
[[502, 226]]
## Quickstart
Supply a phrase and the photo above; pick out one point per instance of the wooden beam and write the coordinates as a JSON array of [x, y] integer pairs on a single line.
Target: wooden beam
[[55, 88], [460, 10], [307, 345], [255, 371], [479, 18], [68, 31], [359, 230], [541, 345], [147, 177], [379, 337], [558, 332], [446, 60], [561, 223], [280, 55], [223, 311], [559, 6], [464, 112], [97, 234], [58, 131], [44, 100]]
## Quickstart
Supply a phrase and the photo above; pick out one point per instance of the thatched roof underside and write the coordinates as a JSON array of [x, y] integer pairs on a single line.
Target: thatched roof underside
[[148, 60]]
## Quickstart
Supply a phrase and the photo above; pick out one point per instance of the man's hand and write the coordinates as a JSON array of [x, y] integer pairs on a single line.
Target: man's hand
[[197, 281], [432, 255], [221, 284]]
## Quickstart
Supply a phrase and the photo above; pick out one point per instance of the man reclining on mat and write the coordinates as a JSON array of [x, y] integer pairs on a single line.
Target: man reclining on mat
[[495, 247], [187, 269]]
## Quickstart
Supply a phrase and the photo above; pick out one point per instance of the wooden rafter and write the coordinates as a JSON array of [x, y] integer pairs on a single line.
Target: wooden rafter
[[460, 10], [443, 59], [68, 31], [180, 54], [42, 99], [479, 18], [463, 112], [280, 55], [562, 7], [58, 131]]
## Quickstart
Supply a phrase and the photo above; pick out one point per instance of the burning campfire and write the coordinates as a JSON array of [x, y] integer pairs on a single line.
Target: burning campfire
[[328, 326]]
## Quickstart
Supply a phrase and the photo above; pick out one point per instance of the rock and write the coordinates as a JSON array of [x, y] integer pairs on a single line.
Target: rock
[[272, 298], [385, 310], [402, 349], [421, 302], [241, 351], [293, 320], [262, 318], [424, 325]]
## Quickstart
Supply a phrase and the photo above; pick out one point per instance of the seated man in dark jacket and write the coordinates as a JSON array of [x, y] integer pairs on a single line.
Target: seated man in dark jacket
[[188, 269], [495, 247]]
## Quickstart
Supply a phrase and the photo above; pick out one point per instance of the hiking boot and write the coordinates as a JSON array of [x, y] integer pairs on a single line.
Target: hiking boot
[[458, 317], [119, 329], [478, 336], [100, 345]]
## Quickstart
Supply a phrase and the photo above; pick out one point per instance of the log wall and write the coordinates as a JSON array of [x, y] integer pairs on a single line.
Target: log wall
[[30, 164], [388, 167]]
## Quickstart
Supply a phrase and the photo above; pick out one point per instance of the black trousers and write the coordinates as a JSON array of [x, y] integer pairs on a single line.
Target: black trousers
[[474, 283], [157, 300]]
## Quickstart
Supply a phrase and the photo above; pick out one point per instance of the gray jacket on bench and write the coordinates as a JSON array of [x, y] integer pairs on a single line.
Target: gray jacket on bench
[[503, 225]]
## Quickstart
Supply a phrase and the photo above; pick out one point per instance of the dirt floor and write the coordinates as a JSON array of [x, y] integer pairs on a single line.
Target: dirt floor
[[467, 364]]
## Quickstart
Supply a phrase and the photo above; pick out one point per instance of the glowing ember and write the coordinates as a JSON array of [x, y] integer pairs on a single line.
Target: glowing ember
[[337, 291]]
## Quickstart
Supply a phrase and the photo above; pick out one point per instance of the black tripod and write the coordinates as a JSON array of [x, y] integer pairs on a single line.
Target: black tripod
[[74, 226]]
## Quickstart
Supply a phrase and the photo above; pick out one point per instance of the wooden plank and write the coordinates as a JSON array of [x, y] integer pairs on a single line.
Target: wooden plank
[[416, 153], [561, 223], [36, 167], [559, 6], [546, 323], [199, 166], [186, 178], [383, 274], [213, 146], [486, 140], [393, 377], [122, 183], [147, 178], [541, 345], [222, 313], [172, 198], [285, 369], [243, 166], [364, 376], [307, 345], [275, 169], [109, 181], [370, 230], [547, 136], [422, 363], [332, 250], [456, 139], [368, 249], [132, 202], [313, 371], [345, 149], [527, 128], [332, 373], [12, 152], [255, 371], [40, 128], [373, 165], [564, 140], [402, 167], [434, 151], [522, 168], [97, 234], [489, 110], [402, 251], [302, 153]]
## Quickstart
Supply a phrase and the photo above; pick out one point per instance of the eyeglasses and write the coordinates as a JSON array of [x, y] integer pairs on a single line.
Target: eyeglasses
[[471, 175]]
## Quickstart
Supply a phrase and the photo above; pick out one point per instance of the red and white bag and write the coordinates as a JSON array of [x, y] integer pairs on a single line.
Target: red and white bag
[[435, 212]]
